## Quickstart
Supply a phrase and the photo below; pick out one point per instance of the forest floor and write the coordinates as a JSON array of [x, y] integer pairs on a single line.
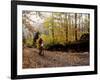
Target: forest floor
[[31, 58]]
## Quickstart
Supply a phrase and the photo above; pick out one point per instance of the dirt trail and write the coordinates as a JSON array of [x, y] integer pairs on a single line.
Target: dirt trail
[[31, 59]]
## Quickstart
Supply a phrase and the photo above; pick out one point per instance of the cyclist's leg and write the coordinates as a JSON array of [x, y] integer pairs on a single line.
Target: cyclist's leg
[[40, 51]]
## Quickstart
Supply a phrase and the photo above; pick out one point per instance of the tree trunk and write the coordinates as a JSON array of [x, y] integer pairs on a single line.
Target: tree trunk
[[76, 26], [52, 29], [66, 27]]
